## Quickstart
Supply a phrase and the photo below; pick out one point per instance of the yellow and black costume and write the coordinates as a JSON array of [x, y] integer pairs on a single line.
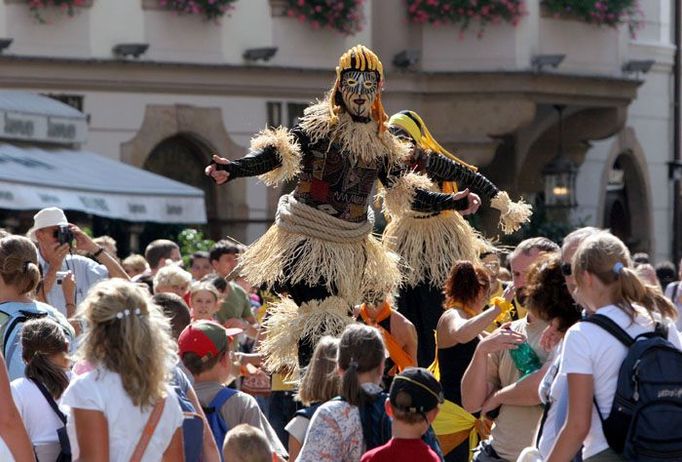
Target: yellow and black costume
[[321, 252], [429, 243]]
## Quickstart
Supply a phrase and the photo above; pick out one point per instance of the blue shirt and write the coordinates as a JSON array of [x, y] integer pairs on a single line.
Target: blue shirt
[[86, 273]]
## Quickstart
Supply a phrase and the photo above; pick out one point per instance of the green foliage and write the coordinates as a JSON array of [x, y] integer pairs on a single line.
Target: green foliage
[[191, 240]]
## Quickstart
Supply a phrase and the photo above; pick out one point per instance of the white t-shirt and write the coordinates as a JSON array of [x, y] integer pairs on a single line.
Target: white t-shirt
[[5, 453], [298, 427], [102, 390], [589, 349], [39, 418]]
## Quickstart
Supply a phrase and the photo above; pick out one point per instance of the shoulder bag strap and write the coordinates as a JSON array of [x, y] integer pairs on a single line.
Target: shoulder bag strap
[[612, 328], [148, 431], [50, 400]]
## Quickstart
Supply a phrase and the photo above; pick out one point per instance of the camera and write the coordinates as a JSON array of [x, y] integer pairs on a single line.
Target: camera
[[64, 235]]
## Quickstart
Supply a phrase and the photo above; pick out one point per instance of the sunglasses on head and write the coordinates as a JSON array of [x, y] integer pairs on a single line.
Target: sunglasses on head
[[566, 269]]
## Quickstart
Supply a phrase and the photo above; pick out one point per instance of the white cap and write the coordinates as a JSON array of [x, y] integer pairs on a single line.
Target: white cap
[[51, 216]]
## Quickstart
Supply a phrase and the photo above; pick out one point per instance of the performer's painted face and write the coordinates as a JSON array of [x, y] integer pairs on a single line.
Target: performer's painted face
[[358, 91]]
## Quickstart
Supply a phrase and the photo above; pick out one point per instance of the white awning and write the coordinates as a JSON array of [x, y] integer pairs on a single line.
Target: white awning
[[33, 178]]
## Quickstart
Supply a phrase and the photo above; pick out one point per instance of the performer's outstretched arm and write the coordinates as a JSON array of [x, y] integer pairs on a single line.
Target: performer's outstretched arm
[[513, 214], [275, 155], [411, 190], [440, 168], [254, 163]]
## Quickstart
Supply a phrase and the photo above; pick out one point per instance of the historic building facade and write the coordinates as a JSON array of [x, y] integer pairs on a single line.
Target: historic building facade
[[192, 93]]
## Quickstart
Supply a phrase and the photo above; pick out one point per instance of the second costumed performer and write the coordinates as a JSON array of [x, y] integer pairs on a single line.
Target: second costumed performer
[[430, 243], [320, 254]]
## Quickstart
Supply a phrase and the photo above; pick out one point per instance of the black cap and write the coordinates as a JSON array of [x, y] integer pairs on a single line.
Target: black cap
[[415, 390]]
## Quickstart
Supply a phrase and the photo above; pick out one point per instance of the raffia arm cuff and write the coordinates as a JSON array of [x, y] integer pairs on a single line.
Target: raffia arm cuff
[[288, 150], [399, 197], [512, 214]]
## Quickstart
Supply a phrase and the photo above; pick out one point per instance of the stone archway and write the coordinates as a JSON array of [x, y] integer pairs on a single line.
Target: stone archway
[[198, 132], [627, 205]]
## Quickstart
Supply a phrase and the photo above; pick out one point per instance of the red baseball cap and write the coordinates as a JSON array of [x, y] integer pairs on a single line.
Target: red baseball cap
[[206, 339]]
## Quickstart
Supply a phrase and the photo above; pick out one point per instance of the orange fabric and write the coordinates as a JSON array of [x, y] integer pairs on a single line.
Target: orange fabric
[[399, 356], [452, 440]]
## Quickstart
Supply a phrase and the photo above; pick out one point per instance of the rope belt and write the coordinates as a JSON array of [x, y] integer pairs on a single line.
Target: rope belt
[[297, 217]]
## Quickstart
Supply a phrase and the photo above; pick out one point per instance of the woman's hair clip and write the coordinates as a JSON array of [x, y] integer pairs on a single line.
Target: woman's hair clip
[[125, 313], [618, 267], [137, 312], [353, 363]]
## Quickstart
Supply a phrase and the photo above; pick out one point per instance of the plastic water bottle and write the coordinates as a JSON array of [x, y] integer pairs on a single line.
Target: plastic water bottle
[[525, 359]]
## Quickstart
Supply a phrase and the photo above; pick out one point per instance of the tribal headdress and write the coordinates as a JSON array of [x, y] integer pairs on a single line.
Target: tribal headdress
[[359, 58], [413, 125]]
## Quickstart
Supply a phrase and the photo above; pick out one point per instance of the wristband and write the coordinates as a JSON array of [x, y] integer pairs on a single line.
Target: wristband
[[98, 253]]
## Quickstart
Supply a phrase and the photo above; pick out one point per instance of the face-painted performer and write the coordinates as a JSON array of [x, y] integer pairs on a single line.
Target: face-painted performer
[[429, 243], [320, 252]]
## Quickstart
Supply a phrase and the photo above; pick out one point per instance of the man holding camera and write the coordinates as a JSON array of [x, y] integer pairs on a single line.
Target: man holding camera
[[55, 237]]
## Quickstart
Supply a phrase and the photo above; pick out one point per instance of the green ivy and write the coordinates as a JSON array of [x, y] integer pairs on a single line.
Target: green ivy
[[191, 240]]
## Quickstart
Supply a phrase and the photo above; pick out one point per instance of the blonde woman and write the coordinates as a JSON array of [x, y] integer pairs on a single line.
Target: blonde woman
[[172, 279], [119, 400], [606, 284], [320, 383]]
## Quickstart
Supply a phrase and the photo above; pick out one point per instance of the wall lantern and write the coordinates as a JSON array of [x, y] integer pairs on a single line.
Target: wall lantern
[[559, 174]]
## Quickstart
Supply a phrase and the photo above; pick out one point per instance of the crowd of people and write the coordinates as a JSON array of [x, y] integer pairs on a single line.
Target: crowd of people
[[322, 341], [159, 362]]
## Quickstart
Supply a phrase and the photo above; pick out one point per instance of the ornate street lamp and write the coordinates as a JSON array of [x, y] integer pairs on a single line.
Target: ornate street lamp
[[559, 174]]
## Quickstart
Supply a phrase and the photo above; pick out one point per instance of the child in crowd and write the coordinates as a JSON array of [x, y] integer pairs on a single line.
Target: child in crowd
[[245, 443], [19, 278], [591, 357], [205, 349], [343, 429], [134, 265], [204, 299], [177, 312], [319, 384], [175, 309], [127, 393], [46, 376], [413, 404]]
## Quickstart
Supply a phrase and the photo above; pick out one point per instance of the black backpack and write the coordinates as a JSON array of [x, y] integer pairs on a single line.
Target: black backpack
[[645, 423]]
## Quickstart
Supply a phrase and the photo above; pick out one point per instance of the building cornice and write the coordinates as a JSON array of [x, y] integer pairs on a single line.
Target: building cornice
[[35, 72]]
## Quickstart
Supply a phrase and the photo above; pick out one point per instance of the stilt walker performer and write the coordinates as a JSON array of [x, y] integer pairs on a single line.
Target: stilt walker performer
[[321, 253], [429, 243]]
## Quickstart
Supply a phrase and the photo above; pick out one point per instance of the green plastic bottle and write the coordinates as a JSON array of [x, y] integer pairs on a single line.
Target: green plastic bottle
[[525, 359]]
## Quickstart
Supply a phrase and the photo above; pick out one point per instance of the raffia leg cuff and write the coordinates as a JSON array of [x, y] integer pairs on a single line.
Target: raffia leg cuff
[[288, 323]]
